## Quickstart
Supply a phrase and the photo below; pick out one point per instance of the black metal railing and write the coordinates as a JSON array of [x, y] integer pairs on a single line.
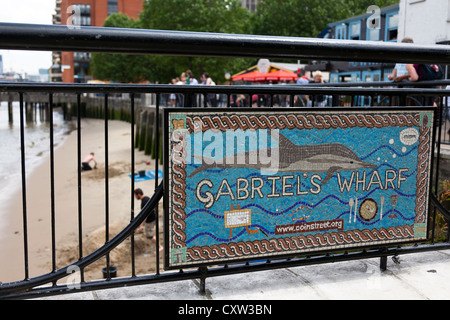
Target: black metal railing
[[60, 38]]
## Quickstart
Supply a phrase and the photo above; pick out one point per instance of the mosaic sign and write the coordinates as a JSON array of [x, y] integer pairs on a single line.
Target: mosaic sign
[[257, 184]]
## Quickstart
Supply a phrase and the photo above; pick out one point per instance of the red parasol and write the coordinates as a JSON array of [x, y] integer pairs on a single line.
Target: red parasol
[[255, 76], [281, 75]]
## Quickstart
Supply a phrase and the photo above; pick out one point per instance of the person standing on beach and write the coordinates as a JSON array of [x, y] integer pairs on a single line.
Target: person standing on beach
[[85, 165], [149, 223]]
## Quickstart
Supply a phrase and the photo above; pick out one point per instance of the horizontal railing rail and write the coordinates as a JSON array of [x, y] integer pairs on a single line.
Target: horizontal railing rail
[[386, 84], [310, 89], [162, 42], [136, 41]]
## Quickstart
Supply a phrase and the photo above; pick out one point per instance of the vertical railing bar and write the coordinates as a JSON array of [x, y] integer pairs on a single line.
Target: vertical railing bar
[[436, 183], [133, 265], [106, 184], [157, 180], [52, 182], [24, 188], [402, 100], [80, 209], [446, 108], [445, 118]]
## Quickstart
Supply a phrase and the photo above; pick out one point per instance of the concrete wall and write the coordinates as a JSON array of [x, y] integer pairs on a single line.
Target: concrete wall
[[426, 21]]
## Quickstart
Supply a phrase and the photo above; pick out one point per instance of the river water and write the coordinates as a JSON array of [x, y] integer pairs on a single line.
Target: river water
[[37, 147]]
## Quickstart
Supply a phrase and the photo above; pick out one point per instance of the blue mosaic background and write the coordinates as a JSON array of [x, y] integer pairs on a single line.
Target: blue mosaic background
[[381, 146]]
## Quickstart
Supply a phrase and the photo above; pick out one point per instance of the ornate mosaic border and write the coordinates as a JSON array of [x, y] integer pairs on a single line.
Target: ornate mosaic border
[[295, 244]]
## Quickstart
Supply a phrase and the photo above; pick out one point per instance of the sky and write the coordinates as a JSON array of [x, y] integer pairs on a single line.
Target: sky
[[26, 11]]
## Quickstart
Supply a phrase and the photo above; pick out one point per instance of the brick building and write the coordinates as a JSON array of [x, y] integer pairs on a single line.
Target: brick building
[[251, 5], [74, 66]]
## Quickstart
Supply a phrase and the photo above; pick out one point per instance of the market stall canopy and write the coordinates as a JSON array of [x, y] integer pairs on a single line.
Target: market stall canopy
[[255, 76], [281, 75]]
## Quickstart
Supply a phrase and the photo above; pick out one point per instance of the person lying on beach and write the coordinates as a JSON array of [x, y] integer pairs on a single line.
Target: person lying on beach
[[85, 165]]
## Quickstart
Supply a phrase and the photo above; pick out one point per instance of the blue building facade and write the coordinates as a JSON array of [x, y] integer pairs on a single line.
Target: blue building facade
[[379, 26]]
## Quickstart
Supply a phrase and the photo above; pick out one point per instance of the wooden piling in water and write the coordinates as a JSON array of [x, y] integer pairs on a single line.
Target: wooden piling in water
[[10, 109], [137, 123], [67, 111], [37, 109], [149, 132], [41, 112], [47, 112], [29, 112], [143, 129]]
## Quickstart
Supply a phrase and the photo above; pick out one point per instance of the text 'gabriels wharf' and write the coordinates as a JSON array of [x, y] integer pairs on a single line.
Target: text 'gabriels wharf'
[[284, 168]]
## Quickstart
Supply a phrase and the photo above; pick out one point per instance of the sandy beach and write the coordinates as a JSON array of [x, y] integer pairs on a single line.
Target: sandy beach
[[66, 207]]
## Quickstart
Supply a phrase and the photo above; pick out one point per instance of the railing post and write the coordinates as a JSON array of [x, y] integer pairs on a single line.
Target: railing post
[[203, 271], [383, 260]]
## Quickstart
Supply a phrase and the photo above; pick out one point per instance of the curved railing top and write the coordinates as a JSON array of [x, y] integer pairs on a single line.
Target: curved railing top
[[139, 41], [376, 88], [12, 287]]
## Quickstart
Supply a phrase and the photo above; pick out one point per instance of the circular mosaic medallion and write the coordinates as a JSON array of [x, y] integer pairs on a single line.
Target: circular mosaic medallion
[[368, 210]]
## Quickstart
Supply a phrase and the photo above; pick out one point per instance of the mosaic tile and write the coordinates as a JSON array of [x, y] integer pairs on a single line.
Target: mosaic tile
[[252, 184]]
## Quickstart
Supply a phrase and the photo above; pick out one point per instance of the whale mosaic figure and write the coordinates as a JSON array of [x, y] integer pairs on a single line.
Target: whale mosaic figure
[[292, 158]]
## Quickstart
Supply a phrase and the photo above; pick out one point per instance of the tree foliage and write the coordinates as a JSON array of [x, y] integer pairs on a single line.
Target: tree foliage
[[306, 18], [120, 67], [301, 18], [219, 16]]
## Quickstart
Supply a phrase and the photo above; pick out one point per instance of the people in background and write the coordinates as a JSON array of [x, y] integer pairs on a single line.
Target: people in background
[[210, 98], [403, 71], [318, 99]]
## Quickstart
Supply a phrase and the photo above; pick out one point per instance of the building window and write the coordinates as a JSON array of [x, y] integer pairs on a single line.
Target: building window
[[341, 31], [250, 5], [112, 7], [373, 34], [391, 26], [81, 56], [82, 15], [373, 28], [355, 30]]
